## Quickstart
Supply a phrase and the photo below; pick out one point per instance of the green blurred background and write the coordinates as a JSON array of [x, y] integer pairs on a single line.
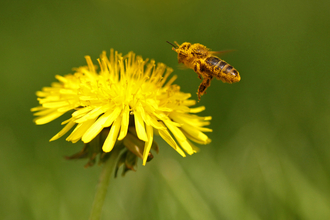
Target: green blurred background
[[269, 157]]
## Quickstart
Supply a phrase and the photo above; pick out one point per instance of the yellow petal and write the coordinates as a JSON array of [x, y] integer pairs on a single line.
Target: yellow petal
[[81, 111], [168, 138], [180, 137], [189, 119], [90, 63], [66, 121], [79, 131], [196, 149], [168, 72], [66, 108], [95, 129], [189, 102], [67, 92], [148, 143], [110, 141], [39, 108], [160, 115], [198, 109], [193, 138], [124, 123], [139, 126], [140, 109], [187, 147], [93, 114], [196, 133], [175, 131], [61, 78], [47, 118], [171, 81], [204, 129], [44, 111], [66, 128], [154, 123], [42, 94], [112, 116]]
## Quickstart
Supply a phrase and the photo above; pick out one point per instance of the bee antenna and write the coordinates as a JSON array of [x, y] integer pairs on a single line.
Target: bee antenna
[[172, 45]]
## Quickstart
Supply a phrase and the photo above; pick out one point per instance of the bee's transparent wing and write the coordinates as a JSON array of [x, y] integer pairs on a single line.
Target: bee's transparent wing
[[181, 66], [222, 52]]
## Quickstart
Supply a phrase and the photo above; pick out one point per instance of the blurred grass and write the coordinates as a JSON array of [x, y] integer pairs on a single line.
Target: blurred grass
[[269, 158]]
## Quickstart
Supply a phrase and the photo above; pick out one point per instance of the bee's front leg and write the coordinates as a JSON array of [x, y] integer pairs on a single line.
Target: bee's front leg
[[203, 86], [197, 68]]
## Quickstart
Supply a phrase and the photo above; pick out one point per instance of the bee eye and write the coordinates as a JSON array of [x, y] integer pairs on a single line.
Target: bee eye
[[186, 47]]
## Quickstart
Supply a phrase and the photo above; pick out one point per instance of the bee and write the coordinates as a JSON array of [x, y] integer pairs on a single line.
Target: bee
[[205, 64]]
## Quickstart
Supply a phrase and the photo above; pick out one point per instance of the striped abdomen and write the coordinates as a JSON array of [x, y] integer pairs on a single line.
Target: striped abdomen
[[222, 70]]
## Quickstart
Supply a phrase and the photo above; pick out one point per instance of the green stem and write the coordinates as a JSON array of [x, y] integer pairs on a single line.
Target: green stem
[[103, 184]]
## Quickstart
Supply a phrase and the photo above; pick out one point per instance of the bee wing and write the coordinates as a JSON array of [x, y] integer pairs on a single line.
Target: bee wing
[[222, 52], [181, 66]]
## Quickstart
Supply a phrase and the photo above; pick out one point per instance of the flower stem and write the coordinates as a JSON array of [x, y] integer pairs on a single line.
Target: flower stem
[[103, 184]]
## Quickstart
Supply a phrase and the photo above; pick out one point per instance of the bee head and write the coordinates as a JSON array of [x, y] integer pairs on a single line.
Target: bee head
[[181, 50], [185, 46]]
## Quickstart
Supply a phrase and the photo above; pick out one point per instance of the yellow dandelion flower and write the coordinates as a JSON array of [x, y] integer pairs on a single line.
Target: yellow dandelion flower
[[128, 97]]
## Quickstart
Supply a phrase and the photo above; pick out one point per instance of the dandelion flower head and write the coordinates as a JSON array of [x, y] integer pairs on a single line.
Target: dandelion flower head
[[128, 96]]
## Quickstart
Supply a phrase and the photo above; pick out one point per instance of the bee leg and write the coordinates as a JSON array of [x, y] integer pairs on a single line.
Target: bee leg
[[197, 69], [199, 75], [203, 86]]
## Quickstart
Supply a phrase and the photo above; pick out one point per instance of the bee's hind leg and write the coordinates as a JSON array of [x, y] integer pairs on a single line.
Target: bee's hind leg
[[203, 86]]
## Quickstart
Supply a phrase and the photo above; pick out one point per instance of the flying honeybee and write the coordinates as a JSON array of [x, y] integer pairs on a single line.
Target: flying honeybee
[[205, 64]]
